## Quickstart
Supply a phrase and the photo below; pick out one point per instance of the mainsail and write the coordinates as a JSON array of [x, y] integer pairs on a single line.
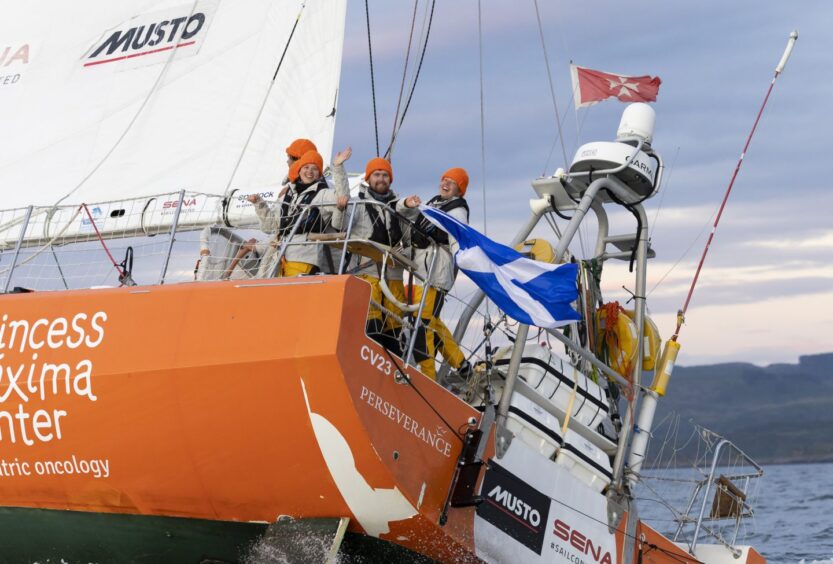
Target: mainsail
[[124, 100]]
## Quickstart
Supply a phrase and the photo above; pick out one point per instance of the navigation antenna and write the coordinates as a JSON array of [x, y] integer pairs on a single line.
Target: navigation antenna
[[672, 347]]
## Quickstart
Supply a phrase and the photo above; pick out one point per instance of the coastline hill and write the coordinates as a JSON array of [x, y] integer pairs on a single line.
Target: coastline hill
[[779, 413]]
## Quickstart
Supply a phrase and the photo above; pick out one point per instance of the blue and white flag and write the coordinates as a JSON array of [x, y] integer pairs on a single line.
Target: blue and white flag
[[529, 291]]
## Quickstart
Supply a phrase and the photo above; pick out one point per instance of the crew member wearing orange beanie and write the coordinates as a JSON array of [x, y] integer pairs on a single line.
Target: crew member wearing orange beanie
[[307, 190], [452, 189], [372, 217]]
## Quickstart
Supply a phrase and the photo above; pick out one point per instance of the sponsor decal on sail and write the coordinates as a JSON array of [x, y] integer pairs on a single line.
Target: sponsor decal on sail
[[149, 38], [14, 59], [514, 507]]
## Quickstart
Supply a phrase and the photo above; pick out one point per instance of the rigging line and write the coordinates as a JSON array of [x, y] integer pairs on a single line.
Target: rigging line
[[555, 140], [482, 113], [101, 240], [424, 399], [624, 533], [404, 69], [482, 129], [372, 77], [47, 245], [552, 88], [60, 270], [416, 78], [662, 196], [130, 124], [265, 98]]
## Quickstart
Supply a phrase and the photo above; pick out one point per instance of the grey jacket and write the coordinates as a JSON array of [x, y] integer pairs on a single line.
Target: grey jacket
[[444, 271], [363, 210], [324, 201]]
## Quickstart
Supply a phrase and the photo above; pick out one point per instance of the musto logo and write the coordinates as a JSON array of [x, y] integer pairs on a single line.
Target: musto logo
[[514, 507], [152, 34]]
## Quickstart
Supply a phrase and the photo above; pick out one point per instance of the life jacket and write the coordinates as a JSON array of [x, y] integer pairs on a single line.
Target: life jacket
[[382, 233], [426, 231], [293, 205]]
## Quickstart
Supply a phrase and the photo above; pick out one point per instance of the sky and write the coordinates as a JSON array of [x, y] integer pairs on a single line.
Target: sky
[[766, 292]]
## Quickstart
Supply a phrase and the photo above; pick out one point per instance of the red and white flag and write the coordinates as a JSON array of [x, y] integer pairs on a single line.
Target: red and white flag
[[591, 86]]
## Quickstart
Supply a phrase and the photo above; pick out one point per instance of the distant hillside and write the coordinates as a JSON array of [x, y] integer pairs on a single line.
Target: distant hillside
[[778, 413]]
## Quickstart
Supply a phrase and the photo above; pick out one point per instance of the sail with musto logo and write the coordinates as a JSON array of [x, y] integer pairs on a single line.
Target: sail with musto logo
[[168, 395]]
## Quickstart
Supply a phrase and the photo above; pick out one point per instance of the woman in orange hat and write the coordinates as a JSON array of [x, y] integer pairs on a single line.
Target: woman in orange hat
[[450, 199], [306, 190]]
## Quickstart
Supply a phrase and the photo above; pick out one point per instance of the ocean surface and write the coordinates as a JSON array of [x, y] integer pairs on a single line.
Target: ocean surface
[[793, 514]]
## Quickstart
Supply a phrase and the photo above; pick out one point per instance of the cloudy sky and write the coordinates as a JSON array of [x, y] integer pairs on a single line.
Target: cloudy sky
[[766, 294]]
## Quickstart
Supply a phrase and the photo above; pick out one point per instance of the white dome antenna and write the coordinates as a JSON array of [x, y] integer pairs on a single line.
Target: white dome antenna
[[637, 121]]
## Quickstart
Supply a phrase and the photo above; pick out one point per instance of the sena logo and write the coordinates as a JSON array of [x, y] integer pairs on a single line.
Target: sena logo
[[580, 542], [515, 505], [172, 204], [14, 54]]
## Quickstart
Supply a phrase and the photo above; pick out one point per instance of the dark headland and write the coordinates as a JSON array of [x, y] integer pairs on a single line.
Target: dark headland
[[781, 413]]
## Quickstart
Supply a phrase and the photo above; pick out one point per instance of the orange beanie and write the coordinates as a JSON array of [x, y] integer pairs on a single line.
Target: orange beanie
[[294, 171], [458, 175], [310, 157], [298, 147], [377, 163]]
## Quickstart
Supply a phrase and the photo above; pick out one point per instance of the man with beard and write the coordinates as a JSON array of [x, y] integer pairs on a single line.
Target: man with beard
[[373, 219]]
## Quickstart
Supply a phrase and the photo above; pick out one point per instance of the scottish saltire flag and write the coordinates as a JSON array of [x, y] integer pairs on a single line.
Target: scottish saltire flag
[[529, 291]]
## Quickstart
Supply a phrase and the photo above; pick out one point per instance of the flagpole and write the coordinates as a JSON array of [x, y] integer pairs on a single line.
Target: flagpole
[[778, 70]]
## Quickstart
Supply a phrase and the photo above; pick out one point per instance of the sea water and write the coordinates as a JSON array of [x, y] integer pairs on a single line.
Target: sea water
[[793, 514]]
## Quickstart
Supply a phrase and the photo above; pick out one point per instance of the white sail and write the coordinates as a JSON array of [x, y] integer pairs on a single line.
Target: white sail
[[104, 100]]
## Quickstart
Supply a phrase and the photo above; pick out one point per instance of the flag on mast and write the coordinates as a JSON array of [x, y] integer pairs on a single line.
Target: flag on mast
[[532, 292], [592, 86]]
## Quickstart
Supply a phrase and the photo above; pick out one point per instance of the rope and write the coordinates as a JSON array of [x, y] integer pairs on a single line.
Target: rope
[[625, 533], [482, 113], [265, 98], [372, 77], [413, 86], [552, 88], [103, 244], [667, 181], [404, 71], [46, 246], [135, 117], [482, 130], [422, 397]]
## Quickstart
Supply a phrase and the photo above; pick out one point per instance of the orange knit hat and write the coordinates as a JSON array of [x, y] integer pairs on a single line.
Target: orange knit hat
[[294, 171], [310, 157], [458, 175], [377, 163], [298, 147]]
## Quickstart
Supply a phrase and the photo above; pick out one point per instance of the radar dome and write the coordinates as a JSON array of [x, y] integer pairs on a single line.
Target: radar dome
[[637, 121]]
